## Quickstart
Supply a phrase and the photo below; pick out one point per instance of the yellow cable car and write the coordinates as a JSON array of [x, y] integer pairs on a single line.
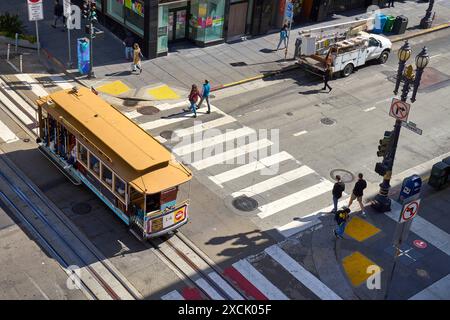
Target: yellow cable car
[[128, 169]]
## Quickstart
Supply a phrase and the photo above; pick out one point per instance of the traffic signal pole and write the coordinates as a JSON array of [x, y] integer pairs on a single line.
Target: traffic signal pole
[[91, 51]]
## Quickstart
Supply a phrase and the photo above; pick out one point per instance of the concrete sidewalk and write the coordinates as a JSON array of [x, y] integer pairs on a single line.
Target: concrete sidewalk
[[170, 77]]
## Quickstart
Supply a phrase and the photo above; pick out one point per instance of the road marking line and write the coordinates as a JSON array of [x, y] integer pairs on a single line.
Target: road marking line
[[15, 110], [202, 126], [424, 229], [173, 295], [300, 133], [31, 82], [231, 154], [168, 106], [297, 226], [259, 281], [301, 274], [160, 139], [294, 199], [246, 286], [213, 294], [132, 114], [440, 290], [251, 167], [6, 134], [233, 294], [370, 109], [206, 142], [192, 294], [15, 97], [274, 182], [61, 82]]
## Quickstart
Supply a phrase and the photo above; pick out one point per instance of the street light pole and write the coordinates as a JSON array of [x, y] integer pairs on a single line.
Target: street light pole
[[382, 202], [426, 21]]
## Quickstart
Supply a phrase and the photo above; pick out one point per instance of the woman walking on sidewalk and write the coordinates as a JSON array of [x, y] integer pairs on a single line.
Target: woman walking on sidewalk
[[137, 55], [193, 98], [283, 36]]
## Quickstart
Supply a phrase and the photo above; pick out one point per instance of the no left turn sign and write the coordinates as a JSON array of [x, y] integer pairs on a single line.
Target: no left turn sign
[[399, 110], [410, 210]]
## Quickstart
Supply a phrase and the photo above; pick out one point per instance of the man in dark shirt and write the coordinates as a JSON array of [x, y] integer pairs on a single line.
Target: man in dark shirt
[[128, 43], [338, 188], [357, 193]]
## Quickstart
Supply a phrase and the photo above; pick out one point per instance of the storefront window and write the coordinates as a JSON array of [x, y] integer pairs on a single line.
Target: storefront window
[[163, 24], [207, 20], [115, 9], [134, 15]]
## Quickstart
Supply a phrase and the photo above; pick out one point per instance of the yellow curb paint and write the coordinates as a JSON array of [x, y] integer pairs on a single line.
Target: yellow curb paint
[[356, 267], [163, 93], [360, 229], [416, 34], [114, 88]]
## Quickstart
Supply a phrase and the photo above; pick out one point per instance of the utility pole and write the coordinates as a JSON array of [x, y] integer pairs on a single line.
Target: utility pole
[[382, 203], [89, 12]]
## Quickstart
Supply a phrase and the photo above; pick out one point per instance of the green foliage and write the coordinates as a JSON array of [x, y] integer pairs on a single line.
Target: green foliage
[[11, 24]]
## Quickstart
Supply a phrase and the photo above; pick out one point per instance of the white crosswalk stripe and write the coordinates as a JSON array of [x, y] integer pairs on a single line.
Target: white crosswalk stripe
[[15, 110], [259, 281], [6, 134], [172, 295], [62, 82], [32, 83], [200, 126]]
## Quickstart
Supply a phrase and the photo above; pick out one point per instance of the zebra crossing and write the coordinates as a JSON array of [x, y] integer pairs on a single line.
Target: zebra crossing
[[250, 277]]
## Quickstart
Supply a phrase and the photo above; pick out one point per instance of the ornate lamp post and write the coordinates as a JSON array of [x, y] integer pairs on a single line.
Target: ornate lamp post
[[382, 202], [426, 21]]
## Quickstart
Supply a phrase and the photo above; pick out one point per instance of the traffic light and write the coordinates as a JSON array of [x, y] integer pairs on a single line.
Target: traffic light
[[380, 168], [383, 148], [85, 11], [93, 12]]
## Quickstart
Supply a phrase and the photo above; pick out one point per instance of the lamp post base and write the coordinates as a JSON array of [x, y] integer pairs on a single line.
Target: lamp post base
[[381, 203], [426, 23]]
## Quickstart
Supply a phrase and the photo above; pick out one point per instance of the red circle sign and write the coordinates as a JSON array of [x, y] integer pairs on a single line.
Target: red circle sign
[[34, 1], [179, 215], [410, 210], [420, 244]]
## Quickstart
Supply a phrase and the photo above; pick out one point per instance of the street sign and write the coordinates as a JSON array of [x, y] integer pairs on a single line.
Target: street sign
[[409, 210], [289, 11], [67, 8], [420, 244], [35, 10], [399, 110], [412, 126]]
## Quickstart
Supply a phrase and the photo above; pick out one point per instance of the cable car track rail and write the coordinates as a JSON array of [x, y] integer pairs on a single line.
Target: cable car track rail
[[58, 255]]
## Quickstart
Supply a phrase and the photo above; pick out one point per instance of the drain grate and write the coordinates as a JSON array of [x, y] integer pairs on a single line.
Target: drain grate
[[346, 176], [167, 134], [81, 208], [147, 110], [327, 121], [244, 203]]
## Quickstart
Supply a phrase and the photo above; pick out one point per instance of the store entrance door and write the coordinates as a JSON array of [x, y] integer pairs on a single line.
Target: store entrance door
[[177, 24]]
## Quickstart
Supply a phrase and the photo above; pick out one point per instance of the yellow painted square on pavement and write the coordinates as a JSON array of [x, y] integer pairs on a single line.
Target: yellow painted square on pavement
[[163, 93], [356, 267], [114, 88], [360, 229]]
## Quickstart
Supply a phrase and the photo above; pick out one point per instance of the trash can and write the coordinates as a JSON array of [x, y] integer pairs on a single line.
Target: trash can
[[389, 24], [380, 21], [400, 24], [439, 175], [298, 47]]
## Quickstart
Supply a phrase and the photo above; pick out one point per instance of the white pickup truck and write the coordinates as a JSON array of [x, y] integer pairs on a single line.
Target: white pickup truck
[[344, 56]]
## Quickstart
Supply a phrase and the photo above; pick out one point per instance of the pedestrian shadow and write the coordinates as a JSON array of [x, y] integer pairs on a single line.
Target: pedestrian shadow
[[313, 91], [236, 243], [119, 74], [267, 50]]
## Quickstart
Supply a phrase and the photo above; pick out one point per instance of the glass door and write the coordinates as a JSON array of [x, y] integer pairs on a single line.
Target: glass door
[[171, 23], [177, 24]]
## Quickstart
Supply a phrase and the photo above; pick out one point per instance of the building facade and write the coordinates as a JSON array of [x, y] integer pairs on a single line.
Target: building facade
[[158, 24]]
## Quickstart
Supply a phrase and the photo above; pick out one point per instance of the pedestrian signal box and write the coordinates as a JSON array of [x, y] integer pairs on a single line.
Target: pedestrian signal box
[[384, 145]]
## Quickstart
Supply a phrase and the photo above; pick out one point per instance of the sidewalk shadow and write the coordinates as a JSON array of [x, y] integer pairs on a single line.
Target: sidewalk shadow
[[313, 91], [119, 74], [267, 50]]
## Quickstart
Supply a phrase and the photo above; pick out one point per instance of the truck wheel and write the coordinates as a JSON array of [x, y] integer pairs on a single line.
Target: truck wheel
[[347, 70], [383, 57]]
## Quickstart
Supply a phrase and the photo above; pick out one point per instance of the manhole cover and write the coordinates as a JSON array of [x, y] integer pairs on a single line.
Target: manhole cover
[[289, 114], [346, 176], [327, 121], [244, 203], [130, 103], [166, 134], [81, 208], [148, 110]]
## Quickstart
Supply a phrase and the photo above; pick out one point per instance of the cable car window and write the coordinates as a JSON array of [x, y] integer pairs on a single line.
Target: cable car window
[[82, 154], [94, 164], [119, 186], [106, 175]]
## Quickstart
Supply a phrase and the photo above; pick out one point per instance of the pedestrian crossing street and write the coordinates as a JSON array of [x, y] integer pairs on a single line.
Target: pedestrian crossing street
[[257, 278], [235, 161]]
